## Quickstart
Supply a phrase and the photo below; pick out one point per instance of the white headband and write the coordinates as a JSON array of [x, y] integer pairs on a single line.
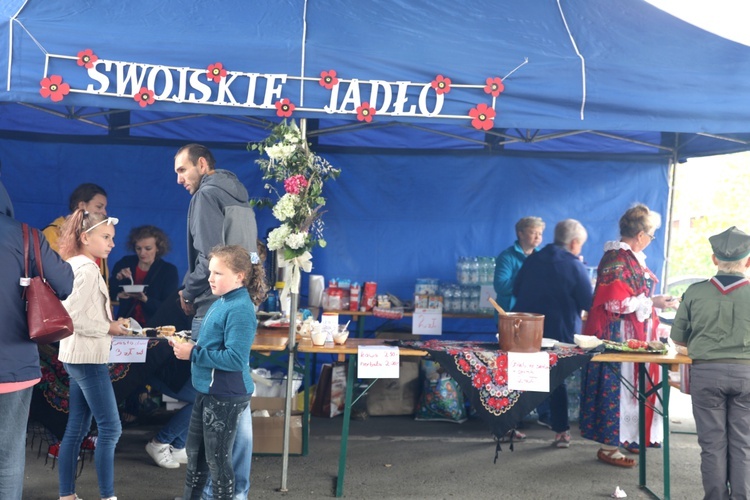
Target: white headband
[[108, 220]]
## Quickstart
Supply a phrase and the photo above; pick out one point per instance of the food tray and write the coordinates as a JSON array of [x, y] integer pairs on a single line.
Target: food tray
[[623, 347]]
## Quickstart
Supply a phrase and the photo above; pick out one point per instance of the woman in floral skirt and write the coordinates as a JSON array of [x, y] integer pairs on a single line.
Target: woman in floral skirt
[[623, 309]]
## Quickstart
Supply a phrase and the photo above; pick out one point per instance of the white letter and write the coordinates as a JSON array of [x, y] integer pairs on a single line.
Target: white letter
[[439, 100], [168, 83], [401, 99], [387, 95], [99, 77], [273, 90], [198, 85], [132, 78], [253, 77], [334, 97], [224, 89], [351, 97]]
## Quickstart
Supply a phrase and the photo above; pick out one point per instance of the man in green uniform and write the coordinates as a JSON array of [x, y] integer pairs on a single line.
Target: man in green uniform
[[714, 322]]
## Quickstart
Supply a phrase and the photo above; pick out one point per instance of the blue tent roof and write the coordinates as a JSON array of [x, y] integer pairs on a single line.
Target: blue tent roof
[[620, 67]]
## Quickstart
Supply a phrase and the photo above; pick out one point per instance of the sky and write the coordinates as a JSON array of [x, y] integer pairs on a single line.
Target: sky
[[726, 18]]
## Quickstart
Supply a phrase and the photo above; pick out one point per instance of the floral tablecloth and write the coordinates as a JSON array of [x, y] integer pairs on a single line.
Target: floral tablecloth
[[481, 369]]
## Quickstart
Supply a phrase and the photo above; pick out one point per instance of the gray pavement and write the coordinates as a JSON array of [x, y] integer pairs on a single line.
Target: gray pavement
[[398, 458]]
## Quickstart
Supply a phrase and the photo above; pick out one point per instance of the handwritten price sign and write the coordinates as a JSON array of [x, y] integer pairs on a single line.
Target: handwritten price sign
[[128, 350], [528, 371], [377, 361], [427, 322]]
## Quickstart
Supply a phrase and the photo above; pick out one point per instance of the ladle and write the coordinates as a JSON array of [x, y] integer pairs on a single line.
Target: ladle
[[499, 309]]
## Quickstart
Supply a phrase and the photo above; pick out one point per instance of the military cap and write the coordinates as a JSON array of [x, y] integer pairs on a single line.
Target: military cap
[[730, 245]]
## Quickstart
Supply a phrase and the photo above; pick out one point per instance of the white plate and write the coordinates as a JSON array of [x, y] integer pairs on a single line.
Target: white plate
[[135, 327], [133, 288], [548, 343]]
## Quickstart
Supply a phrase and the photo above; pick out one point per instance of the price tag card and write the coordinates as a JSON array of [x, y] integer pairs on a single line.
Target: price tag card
[[528, 371], [427, 322], [127, 350], [377, 361]]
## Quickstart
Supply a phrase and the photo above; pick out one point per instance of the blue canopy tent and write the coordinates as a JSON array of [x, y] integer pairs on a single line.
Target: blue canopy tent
[[599, 99]]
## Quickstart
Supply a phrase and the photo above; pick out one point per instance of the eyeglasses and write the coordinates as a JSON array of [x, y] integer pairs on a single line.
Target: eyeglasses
[[650, 236], [108, 220]]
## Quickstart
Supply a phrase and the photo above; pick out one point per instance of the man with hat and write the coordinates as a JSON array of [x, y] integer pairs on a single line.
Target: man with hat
[[714, 322]]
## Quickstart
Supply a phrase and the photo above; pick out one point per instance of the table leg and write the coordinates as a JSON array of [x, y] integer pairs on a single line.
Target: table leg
[[665, 413], [642, 395], [306, 408], [361, 327], [345, 426]]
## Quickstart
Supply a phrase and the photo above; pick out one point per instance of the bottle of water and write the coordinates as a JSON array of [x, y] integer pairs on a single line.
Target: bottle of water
[[466, 299], [473, 265], [474, 302], [447, 292]]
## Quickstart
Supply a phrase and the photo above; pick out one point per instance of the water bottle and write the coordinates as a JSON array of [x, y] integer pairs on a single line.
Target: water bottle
[[473, 265], [272, 301]]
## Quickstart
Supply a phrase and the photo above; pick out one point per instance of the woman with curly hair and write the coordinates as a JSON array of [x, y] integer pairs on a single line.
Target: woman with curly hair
[[146, 267]]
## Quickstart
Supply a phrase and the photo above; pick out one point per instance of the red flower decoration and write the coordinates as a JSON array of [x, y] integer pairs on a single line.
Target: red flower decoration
[[328, 79], [441, 84], [87, 58], [295, 184], [483, 117], [284, 108], [54, 88], [365, 112], [494, 86], [216, 72], [144, 97]]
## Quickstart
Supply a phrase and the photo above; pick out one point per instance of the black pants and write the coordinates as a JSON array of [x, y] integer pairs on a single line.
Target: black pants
[[213, 428]]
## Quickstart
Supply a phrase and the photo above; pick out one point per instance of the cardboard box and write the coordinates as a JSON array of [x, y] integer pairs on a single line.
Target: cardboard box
[[268, 432]]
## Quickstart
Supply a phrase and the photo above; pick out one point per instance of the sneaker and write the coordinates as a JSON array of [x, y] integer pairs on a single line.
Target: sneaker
[[89, 443], [562, 440], [179, 455], [513, 435], [54, 450], [162, 455]]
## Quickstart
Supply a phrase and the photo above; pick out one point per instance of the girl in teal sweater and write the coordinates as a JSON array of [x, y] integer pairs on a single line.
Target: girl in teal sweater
[[220, 370]]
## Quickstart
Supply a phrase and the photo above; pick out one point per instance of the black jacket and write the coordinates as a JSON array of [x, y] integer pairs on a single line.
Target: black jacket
[[161, 279], [19, 357]]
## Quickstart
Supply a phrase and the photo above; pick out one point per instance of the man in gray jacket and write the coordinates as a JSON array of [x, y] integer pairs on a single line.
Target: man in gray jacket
[[219, 214]]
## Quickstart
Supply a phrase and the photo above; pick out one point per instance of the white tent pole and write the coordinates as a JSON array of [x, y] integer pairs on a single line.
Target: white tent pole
[[290, 366]]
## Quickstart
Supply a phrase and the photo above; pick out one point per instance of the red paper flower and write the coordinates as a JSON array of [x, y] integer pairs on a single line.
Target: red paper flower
[[284, 108], [441, 84], [87, 58], [365, 112], [328, 79], [483, 117], [144, 97], [494, 86], [54, 88], [295, 184], [216, 72]]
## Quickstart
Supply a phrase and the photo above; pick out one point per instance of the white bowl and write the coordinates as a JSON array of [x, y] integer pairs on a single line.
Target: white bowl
[[133, 288]]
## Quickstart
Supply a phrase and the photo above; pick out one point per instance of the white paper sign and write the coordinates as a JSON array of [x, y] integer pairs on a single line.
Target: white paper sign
[[377, 361], [127, 350], [427, 322], [528, 371]]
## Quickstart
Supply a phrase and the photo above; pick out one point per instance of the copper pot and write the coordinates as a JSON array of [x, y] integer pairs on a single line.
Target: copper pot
[[521, 332]]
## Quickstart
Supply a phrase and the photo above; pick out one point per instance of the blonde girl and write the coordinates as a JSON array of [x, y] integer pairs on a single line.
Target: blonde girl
[[87, 236]]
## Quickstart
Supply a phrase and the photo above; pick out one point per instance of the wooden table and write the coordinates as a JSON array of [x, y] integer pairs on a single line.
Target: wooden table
[[360, 316], [669, 361], [350, 348]]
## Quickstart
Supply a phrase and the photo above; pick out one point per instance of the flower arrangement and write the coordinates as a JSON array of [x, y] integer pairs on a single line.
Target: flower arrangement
[[291, 162]]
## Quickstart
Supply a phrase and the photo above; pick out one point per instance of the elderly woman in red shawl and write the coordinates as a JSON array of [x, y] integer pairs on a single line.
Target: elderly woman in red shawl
[[623, 309]]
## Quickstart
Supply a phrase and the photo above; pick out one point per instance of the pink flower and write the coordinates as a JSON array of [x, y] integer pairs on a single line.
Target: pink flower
[[494, 86], [328, 79], [295, 184], [483, 117], [441, 84], [284, 108], [216, 72], [87, 58], [144, 97], [54, 88]]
